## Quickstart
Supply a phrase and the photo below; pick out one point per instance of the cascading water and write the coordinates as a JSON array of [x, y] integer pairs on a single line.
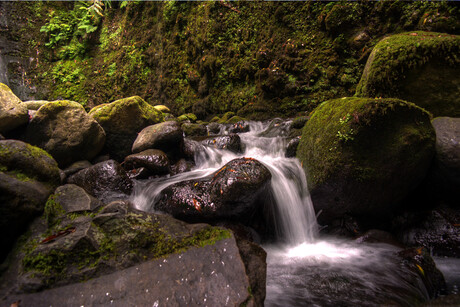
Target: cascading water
[[301, 269]]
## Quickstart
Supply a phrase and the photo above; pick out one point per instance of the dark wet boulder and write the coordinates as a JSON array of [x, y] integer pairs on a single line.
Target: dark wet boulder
[[13, 113], [138, 173], [231, 142], [231, 192], [277, 127], [436, 230], [191, 148], [419, 261], [291, 148], [154, 160], [167, 136], [194, 129], [72, 198], [363, 156], [76, 167], [122, 120], [239, 127], [105, 181], [66, 131], [28, 175], [420, 67], [446, 166], [181, 166]]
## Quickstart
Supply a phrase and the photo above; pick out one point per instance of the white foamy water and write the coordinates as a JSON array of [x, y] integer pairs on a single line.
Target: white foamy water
[[303, 270]]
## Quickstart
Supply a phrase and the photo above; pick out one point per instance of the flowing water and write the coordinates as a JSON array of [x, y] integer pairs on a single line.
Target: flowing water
[[302, 270]]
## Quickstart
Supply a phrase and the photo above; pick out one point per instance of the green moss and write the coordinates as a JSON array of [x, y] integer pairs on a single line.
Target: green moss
[[346, 133], [234, 119], [392, 57], [53, 211]]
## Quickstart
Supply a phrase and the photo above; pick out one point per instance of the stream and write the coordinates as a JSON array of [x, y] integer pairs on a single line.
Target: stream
[[302, 267]]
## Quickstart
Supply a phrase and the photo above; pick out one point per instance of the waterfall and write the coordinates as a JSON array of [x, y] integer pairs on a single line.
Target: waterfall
[[295, 220]]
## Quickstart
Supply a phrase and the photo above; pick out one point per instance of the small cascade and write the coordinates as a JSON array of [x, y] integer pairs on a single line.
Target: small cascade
[[295, 220]]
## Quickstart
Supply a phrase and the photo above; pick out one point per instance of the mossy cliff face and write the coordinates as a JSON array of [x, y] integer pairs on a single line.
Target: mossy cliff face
[[421, 67], [257, 59], [362, 156]]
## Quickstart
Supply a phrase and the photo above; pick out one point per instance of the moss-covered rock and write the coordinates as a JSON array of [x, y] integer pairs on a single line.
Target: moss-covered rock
[[362, 155], [190, 117], [66, 131], [226, 117], [194, 129], [107, 240], [27, 176], [122, 120], [421, 67], [13, 113]]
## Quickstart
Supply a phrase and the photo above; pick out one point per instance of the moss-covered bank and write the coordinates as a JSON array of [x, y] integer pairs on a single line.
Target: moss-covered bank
[[257, 59]]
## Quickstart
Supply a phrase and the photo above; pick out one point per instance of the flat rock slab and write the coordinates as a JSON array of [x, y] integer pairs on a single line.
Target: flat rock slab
[[213, 275]]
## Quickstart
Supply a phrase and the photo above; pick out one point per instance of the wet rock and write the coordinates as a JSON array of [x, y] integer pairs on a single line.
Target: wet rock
[[191, 148], [291, 148], [122, 120], [436, 230], [181, 166], [167, 136], [138, 173], [426, 75], [73, 198], [116, 237], [446, 166], [194, 129], [231, 192], [28, 175], [420, 261], [230, 142], [154, 160], [106, 180], [215, 128], [13, 113], [66, 131], [278, 127], [363, 156], [239, 127], [76, 167], [443, 301]]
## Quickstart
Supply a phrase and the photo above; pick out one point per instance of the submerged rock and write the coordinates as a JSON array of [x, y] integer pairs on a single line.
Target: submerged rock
[[231, 192], [28, 175], [363, 156], [13, 113], [230, 142], [66, 131], [105, 180], [420, 67], [122, 120]]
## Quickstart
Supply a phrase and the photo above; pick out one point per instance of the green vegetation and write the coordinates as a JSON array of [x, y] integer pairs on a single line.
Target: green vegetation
[[256, 59]]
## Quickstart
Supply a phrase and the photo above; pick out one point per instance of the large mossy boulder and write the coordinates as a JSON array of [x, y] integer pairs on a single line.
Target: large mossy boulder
[[28, 175], [362, 156], [66, 131], [122, 120], [421, 67], [13, 113]]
